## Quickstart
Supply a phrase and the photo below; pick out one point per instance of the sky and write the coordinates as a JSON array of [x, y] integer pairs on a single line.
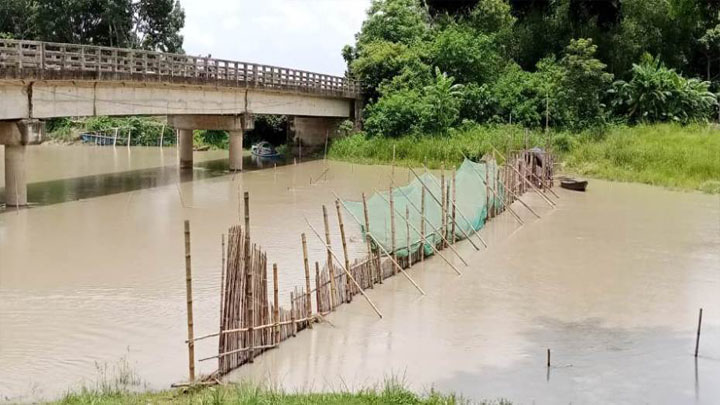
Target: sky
[[300, 34]]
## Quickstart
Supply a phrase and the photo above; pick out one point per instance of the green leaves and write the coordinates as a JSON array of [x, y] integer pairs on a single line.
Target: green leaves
[[148, 24], [656, 93]]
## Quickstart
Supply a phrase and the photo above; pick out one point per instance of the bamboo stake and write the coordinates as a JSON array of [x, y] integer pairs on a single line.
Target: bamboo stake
[[392, 227], [348, 286], [306, 264], [222, 276], [317, 287], [380, 246], [496, 196], [432, 245], [526, 181], [331, 269], [367, 242], [276, 305], [458, 211], [188, 295], [377, 311], [487, 193], [249, 281], [368, 235], [697, 339], [407, 234], [454, 194], [435, 229], [293, 329], [422, 223], [443, 206]]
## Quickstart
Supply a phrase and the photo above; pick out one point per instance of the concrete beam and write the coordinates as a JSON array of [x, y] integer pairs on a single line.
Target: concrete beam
[[215, 122], [49, 99], [22, 132]]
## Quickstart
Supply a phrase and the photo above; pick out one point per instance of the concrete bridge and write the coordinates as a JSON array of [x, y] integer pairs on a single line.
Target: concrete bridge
[[41, 80]]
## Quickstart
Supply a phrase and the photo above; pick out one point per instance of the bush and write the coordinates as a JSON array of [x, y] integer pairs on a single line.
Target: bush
[[656, 93]]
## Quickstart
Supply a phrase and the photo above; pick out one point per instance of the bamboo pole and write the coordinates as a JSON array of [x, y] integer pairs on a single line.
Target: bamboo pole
[[367, 242], [392, 228], [276, 306], [317, 287], [368, 235], [331, 268], [432, 245], [458, 211], [348, 285], [380, 246], [222, 293], [293, 322], [435, 229], [407, 235], [697, 339], [517, 217], [249, 282], [454, 195], [422, 223], [526, 181], [306, 264], [443, 207], [188, 295], [487, 192], [377, 311]]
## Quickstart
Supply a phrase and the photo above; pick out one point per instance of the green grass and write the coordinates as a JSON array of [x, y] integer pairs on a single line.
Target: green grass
[[669, 155], [666, 155], [390, 393], [432, 151]]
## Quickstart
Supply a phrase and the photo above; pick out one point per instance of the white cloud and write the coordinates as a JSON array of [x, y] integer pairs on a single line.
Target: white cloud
[[301, 34]]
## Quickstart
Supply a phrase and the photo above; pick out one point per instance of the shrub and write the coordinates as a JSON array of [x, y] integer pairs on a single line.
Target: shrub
[[656, 93]]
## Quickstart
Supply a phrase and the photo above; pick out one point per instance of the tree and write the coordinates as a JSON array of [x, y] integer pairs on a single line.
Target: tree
[[400, 21], [584, 82], [158, 25], [442, 103], [150, 24]]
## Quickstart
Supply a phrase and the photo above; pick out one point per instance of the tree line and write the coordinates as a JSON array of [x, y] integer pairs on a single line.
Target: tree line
[[143, 24], [430, 65]]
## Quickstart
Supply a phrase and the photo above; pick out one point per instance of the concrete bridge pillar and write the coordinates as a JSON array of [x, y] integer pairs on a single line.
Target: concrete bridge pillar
[[311, 132], [185, 146], [236, 150], [234, 124], [16, 135]]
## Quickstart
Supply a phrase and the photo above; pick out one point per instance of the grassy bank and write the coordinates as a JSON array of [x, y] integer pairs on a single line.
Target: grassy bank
[[682, 157], [391, 393]]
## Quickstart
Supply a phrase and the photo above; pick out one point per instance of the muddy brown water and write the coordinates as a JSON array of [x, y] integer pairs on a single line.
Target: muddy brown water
[[610, 281]]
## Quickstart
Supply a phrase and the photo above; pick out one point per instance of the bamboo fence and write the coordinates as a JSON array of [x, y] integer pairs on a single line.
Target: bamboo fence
[[251, 318]]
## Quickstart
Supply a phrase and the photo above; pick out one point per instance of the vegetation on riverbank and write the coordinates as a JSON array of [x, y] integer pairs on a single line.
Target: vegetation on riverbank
[[671, 155], [391, 393]]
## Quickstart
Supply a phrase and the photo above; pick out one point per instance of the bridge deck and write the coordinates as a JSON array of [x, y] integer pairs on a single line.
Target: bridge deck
[[29, 60]]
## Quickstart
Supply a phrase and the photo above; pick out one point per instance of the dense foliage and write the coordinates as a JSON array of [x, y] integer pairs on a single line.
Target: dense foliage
[[569, 64], [146, 24]]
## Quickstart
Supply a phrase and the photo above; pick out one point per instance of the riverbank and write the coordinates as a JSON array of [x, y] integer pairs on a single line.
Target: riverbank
[[390, 393], [673, 156]]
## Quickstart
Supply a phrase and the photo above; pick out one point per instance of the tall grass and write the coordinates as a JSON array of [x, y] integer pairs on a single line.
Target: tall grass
[[391, 392], [472, 141], [670, 155]]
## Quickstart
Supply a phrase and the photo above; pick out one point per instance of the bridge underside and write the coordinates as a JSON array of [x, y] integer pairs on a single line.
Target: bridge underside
[[188, 107]]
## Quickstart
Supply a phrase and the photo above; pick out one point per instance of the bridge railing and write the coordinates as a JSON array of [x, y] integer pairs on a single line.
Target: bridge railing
[[47, 60]]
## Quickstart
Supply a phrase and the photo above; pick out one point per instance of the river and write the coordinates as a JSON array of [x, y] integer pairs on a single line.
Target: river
[[611, 281]]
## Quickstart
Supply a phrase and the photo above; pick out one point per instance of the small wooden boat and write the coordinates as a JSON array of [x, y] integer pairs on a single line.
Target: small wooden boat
[[573, 184], [264, 149]]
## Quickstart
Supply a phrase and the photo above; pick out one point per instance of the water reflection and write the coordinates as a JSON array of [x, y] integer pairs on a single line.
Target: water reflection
[[80, 188]]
